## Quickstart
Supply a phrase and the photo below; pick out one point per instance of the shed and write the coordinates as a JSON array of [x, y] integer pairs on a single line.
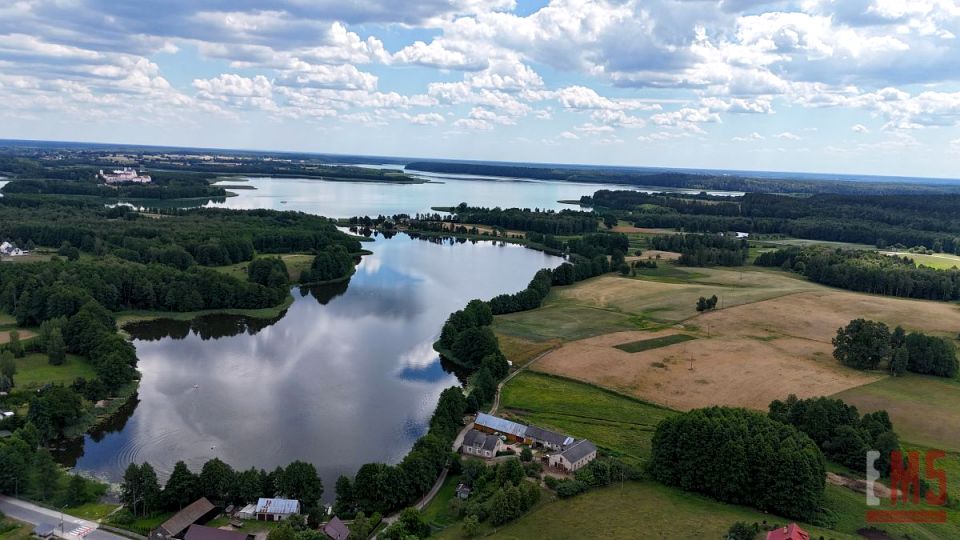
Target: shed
[[463, 491], [199, 532], [247, 512], [276, 509], [495, 424], [198, 511], [790, 532], [336, 529]]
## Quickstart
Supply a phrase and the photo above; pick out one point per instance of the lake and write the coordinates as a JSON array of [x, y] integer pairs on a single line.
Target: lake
[[346, 376], [348, 199]]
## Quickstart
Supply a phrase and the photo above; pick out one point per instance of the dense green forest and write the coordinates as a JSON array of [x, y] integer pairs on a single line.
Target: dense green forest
[[932, 221], [178, 238], [681, 180], [866, 271], [562, 223], [704, 249]]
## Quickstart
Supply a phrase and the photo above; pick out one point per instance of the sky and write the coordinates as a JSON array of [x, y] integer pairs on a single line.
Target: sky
[[845, 86]]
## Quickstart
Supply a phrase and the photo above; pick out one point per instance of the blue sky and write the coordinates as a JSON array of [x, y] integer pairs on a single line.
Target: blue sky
[[847, 86]]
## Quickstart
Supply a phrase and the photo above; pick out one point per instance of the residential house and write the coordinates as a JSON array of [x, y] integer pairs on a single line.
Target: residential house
[[200, 532], [790, 532], [199, 511], [336, 529], [501, 426], [574, 456], [276, 509], [548, 439], [480, 444]]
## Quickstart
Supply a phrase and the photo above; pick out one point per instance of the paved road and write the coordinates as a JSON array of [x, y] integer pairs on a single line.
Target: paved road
[[35, 515]]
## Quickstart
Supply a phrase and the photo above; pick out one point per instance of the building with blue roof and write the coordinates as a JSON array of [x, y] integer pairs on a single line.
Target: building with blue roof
[[502, 426], [276, 509]]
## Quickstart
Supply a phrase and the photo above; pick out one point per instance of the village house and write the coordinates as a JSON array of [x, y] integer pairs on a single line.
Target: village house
[[548, 439], [200, 532], [575, 456], [199, 511], [501, 426], [276, 509], [790, 532], [482, 445], [336, 529]]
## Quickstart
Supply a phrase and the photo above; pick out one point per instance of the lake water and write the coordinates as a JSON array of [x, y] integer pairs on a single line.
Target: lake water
[[348, 199], [346, 376]]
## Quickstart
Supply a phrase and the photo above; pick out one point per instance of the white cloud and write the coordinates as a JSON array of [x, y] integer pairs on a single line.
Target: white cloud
[[859, 128], [425, 119], [787, 136], [754, 136]]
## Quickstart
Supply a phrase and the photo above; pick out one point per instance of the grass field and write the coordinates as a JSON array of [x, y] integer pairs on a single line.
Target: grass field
[[127, 317], [654, 343], [14, 530], [941, 261], [924, 410], [296, 263], [640, 510], [33, 371], [520, 351], [438, 513], [24, 334], [615, 423], [92, 511]]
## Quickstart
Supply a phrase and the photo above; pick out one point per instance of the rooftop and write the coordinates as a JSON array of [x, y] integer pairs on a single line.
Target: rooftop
[[188, 516], [500, 424], [199, 532], [277, 506], [578, 451], [540, 434], [336, 529]]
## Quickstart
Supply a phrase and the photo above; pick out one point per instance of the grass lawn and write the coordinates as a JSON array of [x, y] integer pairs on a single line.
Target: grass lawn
[[655, 343], [250, 526], [438, 513], [616, 423], [640, 510], [92, 511], [15, 530], [33, 371], [924, 409], [561, 319], [7, 319]]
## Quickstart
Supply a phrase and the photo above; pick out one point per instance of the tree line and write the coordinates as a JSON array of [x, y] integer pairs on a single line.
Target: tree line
[[866, 271], [704, 249], [864, 344], [562, 223], [741, 457]]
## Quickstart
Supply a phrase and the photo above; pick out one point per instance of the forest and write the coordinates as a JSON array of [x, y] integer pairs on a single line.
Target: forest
[[562, 223], [681, 180], [178, 238], [902, 220], [704, 249], [866, 271]]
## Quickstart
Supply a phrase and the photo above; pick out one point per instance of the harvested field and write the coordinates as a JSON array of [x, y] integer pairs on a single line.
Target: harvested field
[[655, 254], [729, 370]]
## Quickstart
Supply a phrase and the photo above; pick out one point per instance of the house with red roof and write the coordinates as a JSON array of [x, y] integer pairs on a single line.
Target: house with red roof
[[790, 532]]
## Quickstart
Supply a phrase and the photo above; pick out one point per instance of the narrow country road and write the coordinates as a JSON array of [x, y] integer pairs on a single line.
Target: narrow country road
[[423, 502], [73, 528]]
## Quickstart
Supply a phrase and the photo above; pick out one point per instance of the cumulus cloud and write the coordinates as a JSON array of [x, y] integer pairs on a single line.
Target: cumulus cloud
[[754, 136], [859, 128]]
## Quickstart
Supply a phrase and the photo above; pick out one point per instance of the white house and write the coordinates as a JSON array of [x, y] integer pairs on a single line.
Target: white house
[[126, 174], [482, 445], [575, 456], [12, 250]]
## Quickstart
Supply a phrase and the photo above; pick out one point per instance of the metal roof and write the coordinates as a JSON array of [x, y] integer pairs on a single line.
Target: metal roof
[[578, 451], [277, 506], [188, 516], [501, 424], [199, 532], [44, 529], [479, 439]]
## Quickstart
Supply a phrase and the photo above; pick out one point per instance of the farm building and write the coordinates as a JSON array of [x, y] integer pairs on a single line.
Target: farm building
[[200, 532], [247, 512], [480, 444], [494, 424], [575, 456], [199, 511], [790, 532], [336, 529], [548, 439], [276, 509]]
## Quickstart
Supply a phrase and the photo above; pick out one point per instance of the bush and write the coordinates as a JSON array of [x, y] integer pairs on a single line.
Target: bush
[[569, 488], [122, 517]]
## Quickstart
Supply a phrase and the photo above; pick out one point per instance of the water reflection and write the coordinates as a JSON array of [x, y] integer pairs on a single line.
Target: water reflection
[[347, 375]]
